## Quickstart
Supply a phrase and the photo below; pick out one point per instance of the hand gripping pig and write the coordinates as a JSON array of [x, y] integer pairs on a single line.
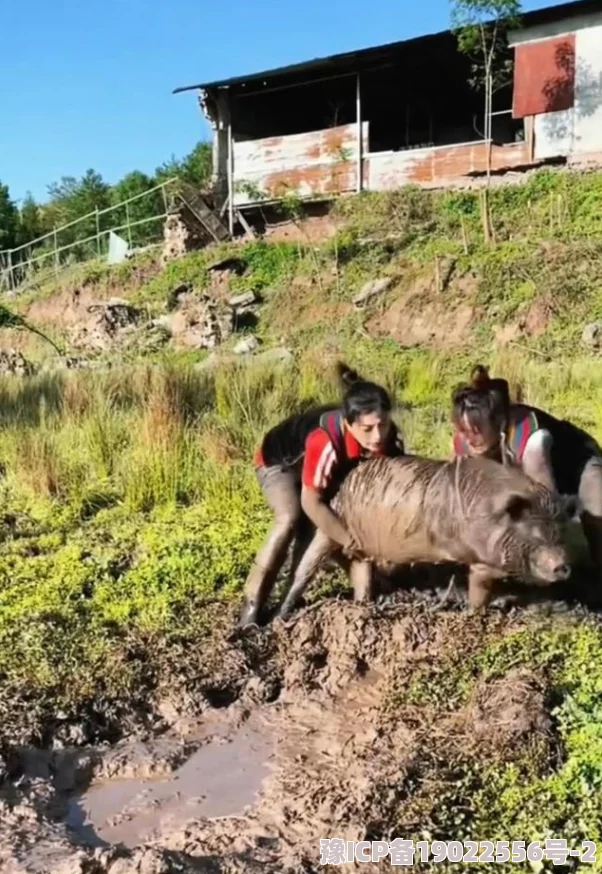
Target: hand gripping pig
[[470, 511]]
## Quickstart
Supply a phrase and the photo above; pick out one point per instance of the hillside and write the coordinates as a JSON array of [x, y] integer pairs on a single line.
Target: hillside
[[131, 515]]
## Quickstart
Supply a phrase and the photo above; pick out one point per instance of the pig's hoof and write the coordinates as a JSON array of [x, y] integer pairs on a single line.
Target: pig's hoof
[[249, 617]]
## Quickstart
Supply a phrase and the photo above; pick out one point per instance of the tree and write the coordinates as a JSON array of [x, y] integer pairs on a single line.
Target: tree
[[9, 219], [198, 165], [481, 27], [195, 168], [31, 225], [131, 185], [71, 199]]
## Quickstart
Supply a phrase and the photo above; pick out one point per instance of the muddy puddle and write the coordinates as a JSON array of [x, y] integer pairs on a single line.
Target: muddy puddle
[[220, 778]]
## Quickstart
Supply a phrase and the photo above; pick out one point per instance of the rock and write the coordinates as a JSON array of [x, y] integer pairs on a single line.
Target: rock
[[246, 345], [163, 322], [274, 355], [12, 361], [179, 238], [270, 356], [151, 338], [203, 323], [73, 362], [178, 294], [243, 300], [233, 265], [109, 320], [592, 336], [372, 288]]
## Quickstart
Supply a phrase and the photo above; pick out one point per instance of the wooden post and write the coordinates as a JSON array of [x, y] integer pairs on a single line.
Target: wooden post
[[98, 233], [530, 137], [358, 106], [230, 180], [127, 221]]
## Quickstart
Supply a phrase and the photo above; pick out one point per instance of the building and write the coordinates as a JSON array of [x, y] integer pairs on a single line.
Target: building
[[401, 113]]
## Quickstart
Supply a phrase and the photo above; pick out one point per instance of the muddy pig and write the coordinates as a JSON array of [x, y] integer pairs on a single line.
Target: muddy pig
[[470, 511]]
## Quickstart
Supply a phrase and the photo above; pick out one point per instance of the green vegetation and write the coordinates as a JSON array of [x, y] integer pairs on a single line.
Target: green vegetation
[[544, 781], [130, 511], [71, 199]]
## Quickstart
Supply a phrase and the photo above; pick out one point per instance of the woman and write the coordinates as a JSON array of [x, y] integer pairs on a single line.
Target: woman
[[553, 452], [299, 466]]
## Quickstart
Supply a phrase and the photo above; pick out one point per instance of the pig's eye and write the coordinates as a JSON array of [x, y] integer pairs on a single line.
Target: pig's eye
[[517, 507]]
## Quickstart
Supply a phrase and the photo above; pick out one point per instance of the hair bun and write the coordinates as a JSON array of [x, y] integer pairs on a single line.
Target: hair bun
[[346, 375], [479, 378]]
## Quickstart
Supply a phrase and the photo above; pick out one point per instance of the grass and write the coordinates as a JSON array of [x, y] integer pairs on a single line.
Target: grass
[[538, 789], [130, 512]]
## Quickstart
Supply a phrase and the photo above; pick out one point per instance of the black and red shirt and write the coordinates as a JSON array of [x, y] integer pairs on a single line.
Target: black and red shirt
[[317, 444], [331, 451]]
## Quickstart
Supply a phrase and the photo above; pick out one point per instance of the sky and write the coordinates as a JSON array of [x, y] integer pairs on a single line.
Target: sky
[[87, 84]]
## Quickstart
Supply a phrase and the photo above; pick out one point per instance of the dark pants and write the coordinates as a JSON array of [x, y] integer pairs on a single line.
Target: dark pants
[[590, 495], [282, 490]]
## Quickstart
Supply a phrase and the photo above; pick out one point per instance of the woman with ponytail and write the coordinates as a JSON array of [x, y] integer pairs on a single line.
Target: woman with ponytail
[[553, 452], [299, 465]]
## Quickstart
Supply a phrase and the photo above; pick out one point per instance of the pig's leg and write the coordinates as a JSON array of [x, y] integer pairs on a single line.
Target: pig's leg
[[480, 586], [282, 493], [360, 574], [317, 551], [590, 495]]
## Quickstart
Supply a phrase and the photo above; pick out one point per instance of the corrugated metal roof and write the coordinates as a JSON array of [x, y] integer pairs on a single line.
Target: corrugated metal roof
[[361, 57], [326, 64]]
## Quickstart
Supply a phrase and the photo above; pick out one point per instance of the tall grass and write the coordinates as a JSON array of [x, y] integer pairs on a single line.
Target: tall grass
[[156, 435]]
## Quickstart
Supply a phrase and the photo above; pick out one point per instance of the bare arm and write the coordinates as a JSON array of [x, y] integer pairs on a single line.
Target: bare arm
[[537, 462], [323, 517]]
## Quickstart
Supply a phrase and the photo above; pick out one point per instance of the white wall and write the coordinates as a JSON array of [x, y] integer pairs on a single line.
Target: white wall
[[577, 130], [587, 113]]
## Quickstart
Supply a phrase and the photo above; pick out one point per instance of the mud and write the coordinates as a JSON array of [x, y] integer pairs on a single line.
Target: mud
[[220, 778], [318, 738]]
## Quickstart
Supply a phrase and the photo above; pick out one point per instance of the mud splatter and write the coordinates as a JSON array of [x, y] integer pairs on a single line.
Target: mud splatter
[[322, 739]]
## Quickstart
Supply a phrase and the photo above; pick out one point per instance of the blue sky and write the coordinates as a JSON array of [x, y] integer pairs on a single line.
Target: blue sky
[[88, 83]]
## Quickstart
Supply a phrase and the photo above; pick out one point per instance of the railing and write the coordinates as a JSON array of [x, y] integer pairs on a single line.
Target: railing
[[24, 264]]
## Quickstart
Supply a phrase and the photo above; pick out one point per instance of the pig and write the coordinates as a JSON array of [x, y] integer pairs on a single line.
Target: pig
[[469, 511]]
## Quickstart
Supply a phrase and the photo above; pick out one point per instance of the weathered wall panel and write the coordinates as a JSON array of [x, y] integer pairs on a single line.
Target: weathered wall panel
[[440, 166], [310, 164], [578, 130], [544, 76]]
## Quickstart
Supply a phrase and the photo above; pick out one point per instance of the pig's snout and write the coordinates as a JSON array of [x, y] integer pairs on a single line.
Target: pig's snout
[[561, 572], [550, 565]]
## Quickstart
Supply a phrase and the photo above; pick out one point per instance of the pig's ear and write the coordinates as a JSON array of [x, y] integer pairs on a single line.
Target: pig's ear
[[514, 505]]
